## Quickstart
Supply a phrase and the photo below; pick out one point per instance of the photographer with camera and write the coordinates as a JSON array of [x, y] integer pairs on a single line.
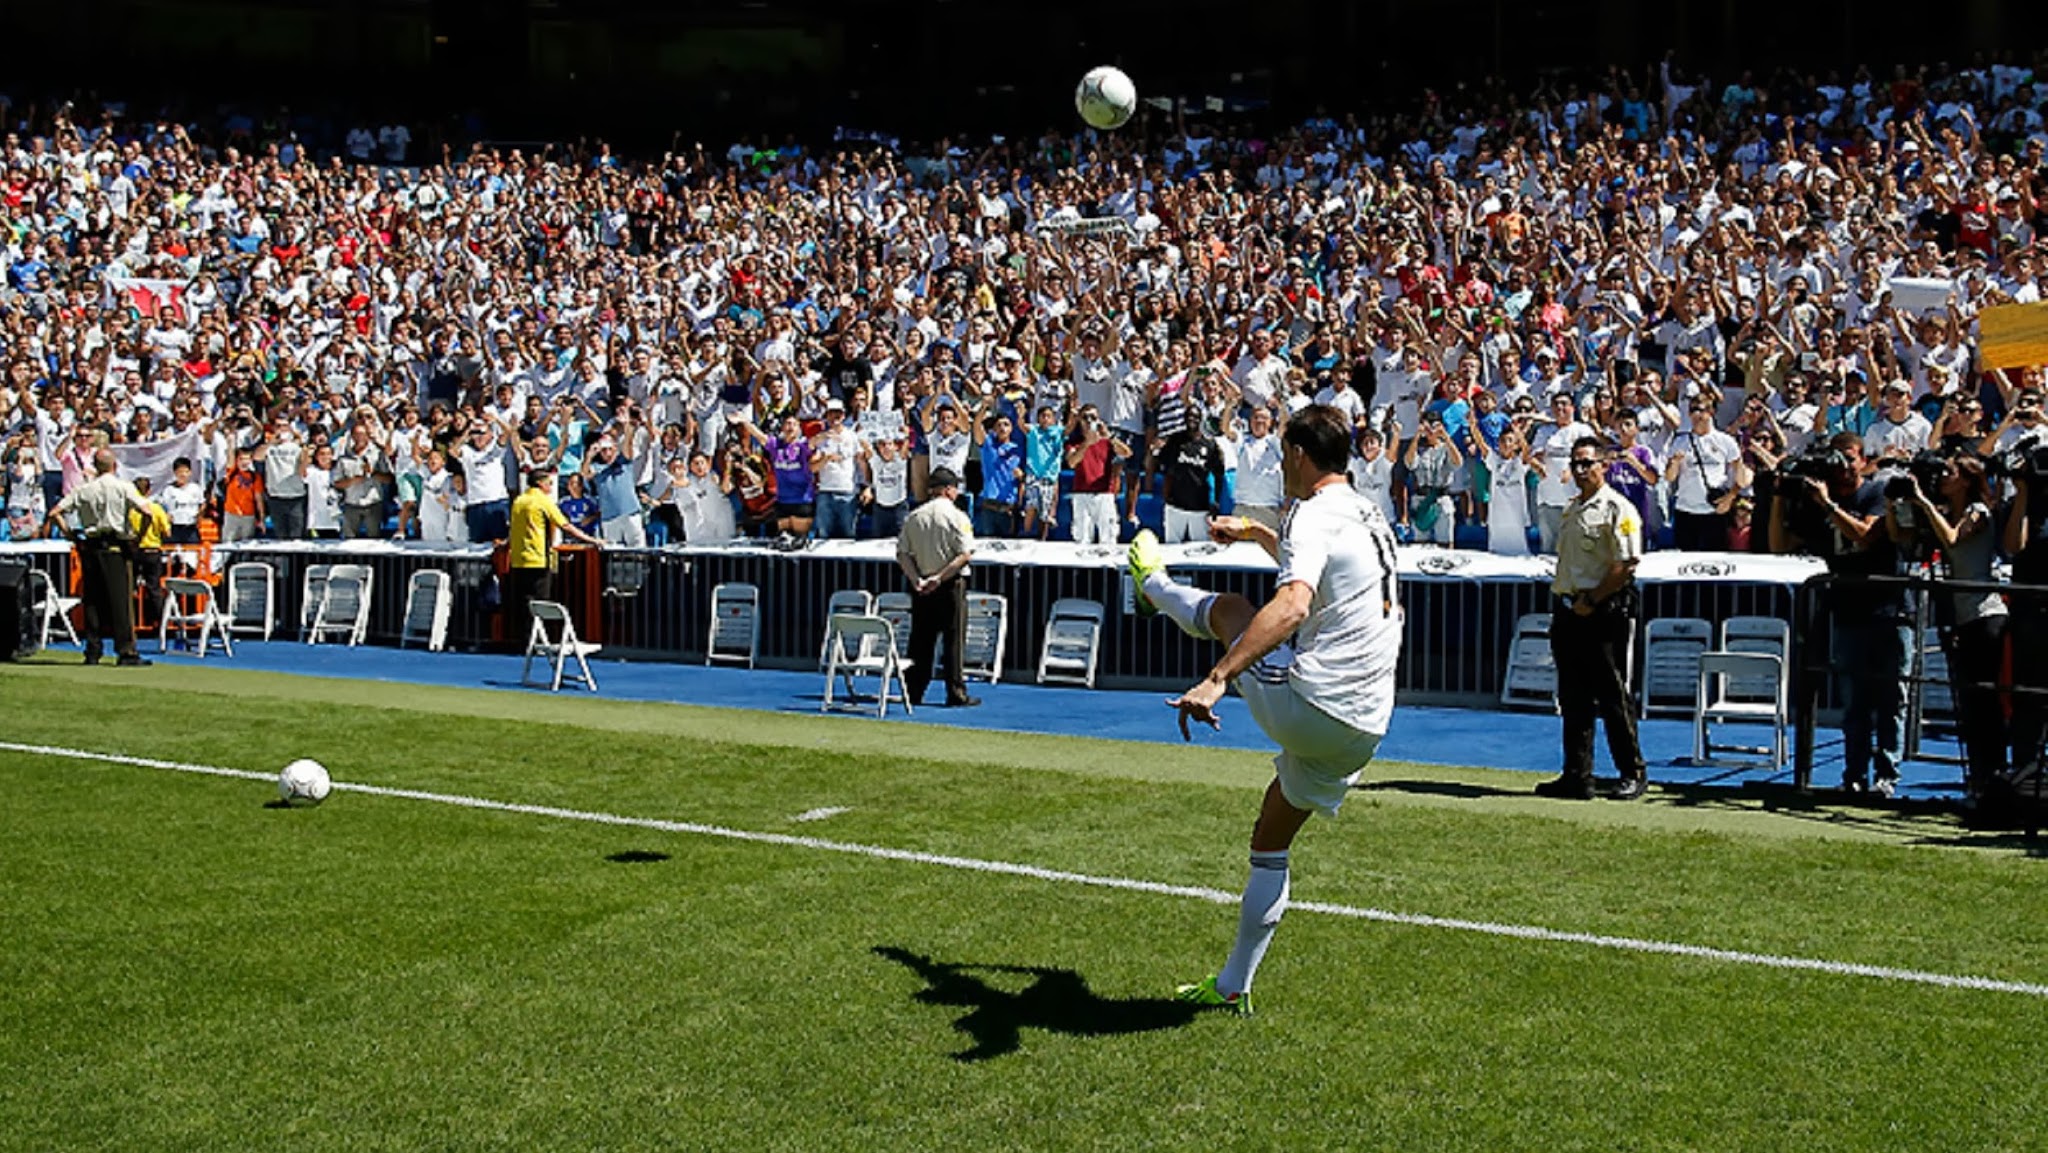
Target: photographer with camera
[[1827, 507], [1946, 506]]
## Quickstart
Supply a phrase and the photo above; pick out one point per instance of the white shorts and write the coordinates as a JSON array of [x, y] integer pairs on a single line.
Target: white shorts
[[1185, 525], [1320, 756], [627, 531]]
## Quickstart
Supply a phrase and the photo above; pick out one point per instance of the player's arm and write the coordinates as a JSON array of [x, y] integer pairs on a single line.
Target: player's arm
[[1269, 629]]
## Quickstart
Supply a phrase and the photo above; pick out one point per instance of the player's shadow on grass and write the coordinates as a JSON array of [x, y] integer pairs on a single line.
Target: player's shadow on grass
[[1056, 1000], [1458, 790]]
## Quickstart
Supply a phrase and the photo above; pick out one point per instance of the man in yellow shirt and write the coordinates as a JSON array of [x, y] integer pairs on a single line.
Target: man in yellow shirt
[[530, 551], [150, 530]]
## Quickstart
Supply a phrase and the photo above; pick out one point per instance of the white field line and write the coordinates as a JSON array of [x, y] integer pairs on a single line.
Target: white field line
[[821, 814], [1127, 884]]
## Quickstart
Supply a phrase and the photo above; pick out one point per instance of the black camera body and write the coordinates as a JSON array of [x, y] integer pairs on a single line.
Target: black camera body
[[1925, 471]]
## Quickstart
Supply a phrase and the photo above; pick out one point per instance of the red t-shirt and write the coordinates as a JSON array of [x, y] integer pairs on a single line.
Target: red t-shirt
[[1092, 473]]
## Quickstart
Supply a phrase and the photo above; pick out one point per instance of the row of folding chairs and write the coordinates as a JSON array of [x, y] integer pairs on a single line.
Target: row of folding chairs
[[1068, 655], [334, 605], [1739, 673]]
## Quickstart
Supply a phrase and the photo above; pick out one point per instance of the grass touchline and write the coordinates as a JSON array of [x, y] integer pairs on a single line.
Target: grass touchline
[[1035, 872]]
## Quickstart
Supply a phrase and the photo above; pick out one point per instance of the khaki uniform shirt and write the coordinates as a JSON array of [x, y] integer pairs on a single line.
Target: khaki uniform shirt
[[933, 535], [102, 505], [1599, 532]]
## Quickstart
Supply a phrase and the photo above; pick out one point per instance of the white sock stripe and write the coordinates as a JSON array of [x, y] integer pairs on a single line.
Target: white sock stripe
[[1125, 884]]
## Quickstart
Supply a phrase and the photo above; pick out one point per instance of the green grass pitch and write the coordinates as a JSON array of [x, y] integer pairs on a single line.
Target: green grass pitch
[[182, 967]]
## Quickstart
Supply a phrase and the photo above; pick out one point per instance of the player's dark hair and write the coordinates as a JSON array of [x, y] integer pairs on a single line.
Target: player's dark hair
[[1593, 442], [1323, 434], [181, 462]]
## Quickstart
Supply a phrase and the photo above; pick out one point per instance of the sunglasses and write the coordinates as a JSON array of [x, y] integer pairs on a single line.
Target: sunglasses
[[1584, 465]]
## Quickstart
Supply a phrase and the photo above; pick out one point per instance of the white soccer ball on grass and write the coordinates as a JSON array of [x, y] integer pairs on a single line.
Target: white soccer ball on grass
[[303, 783], [1106, 97]]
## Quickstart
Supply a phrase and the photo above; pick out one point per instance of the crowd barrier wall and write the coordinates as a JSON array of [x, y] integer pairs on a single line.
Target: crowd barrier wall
[[655, 604]]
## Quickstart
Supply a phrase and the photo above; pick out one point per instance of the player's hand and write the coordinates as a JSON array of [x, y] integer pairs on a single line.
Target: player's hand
[[1199, 703], [1226, 529]]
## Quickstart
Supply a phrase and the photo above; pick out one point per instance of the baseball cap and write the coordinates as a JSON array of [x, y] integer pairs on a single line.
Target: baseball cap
[[835, 405]]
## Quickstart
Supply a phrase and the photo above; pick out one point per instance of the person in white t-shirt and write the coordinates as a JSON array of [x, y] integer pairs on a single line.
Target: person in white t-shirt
[[1260, 489], [323, 499], [1899, 431], [184, 499], [1554, 487], [1705, 472], [888, 492], [1316, 664]]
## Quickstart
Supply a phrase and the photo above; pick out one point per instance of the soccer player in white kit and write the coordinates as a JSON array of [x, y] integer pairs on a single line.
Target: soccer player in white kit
[[1316, 664]]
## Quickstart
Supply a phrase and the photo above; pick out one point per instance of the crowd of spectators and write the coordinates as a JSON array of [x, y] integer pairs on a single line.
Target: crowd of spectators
[[1093, 329]]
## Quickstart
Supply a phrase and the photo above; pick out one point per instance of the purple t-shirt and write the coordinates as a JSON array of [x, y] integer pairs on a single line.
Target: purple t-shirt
[[1630, 483], [791, 460]]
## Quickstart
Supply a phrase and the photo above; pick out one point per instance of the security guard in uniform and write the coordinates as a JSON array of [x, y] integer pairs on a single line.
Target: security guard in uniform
[[104, 543], [1593, 625], [934, 550]]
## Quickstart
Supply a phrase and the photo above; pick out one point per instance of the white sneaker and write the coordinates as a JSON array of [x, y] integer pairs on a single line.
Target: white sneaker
[[1884, 786]]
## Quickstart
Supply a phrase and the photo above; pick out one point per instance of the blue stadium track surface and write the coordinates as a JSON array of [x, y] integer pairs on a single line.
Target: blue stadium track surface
[[1525, 741]]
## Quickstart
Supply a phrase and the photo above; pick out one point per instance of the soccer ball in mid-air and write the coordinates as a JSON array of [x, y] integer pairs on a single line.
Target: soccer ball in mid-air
[[1106, 97], [303, 783]]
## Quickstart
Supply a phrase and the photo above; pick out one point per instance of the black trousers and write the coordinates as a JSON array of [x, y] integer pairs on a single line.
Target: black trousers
[[1592, 684], [1976, 657], [151, 570], [2029, 628], [940, 613], [1699, 531], [522, 587], [108, 587]]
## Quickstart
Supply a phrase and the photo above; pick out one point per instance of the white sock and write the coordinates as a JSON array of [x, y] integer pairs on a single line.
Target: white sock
[[1265, 900], [1184, 605]]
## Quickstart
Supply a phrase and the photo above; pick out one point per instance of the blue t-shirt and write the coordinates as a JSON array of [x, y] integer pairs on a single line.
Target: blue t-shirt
[[581, 511], [1000, 460], [1044, 451], [616, 495]]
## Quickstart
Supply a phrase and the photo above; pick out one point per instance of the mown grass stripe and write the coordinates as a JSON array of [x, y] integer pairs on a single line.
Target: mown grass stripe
[[1126, 884]]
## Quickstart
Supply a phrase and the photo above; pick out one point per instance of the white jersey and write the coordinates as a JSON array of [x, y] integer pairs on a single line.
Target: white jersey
[[1345, 653]]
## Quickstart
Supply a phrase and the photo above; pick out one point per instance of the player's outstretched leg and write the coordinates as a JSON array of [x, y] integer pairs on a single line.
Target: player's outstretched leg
[[1198, 612]]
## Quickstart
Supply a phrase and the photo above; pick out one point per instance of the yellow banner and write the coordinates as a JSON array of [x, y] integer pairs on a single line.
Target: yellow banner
[[2013, 335]]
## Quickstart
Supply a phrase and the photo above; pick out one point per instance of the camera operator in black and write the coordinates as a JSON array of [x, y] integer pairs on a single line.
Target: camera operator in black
[[2026, 542], [1946, 507], [1841, 519]]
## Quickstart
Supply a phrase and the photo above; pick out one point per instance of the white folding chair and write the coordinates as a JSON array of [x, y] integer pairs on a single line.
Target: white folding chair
[[55, 610], [557, 647], [344, 608], [252, 599], [735, 625], [188, 605], [426, 610], [1713, 703], [1073, 636], [895, 608], [863, 645], [1672, 647], [855, 602], [1765, 636], [988, 632], [1531, 677], [312, 591]]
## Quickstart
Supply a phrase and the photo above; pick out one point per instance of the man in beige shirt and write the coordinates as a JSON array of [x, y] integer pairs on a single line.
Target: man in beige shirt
[[1592, 626], [105, 545], [934, 550]]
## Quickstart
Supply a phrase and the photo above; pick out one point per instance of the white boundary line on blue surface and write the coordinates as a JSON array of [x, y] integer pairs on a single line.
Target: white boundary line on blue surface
[[1126, 884]]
